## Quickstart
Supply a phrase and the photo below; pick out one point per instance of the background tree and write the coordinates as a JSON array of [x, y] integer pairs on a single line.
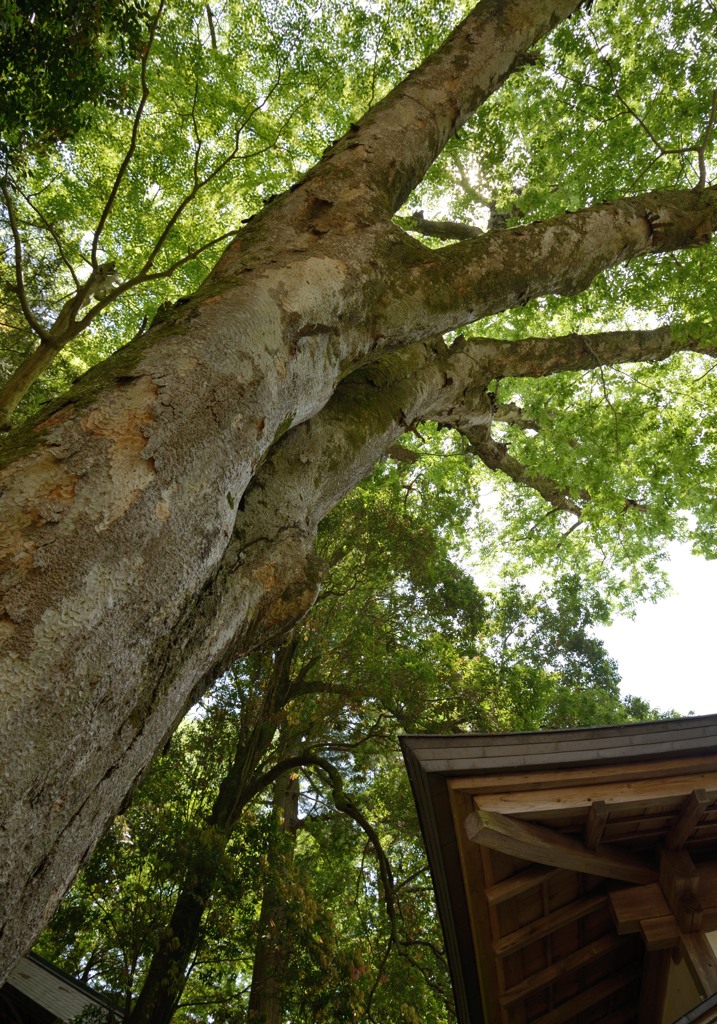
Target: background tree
[[161, 515], [61, 58]]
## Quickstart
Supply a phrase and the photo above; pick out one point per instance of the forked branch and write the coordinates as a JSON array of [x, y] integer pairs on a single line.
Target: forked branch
[[437, 290], [20, 289], [496, 456]]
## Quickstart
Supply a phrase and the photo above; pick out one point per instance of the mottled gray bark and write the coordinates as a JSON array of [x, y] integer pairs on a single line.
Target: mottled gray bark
[[159, 520]]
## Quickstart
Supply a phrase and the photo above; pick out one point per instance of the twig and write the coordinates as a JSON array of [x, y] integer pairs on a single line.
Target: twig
[[119, 177], [606, 393], [200, 183], [212, 31], [142, 278], [51, 230], [33, 322], [706, 140], [379, 972]]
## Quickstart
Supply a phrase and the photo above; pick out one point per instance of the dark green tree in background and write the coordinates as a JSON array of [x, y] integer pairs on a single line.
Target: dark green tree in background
[[61, 59]]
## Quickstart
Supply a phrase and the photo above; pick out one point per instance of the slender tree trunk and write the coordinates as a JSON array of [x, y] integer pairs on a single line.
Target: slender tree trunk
[[167, 975], [266, 1000], [15, 389]]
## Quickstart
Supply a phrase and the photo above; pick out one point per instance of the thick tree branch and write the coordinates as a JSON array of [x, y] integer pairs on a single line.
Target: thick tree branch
[[210, 22], [425, 381], [404, 133], [446, 229], [495, 455], [444, 289], [512, 414], [541, 357]]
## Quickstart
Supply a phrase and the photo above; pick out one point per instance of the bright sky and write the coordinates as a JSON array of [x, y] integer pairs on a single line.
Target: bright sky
[[668, 653]]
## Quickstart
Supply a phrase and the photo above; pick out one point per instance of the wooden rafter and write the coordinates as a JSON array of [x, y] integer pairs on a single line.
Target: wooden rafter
[[545, 846], [519, 884], [570, 1011], [546, 925], [561, 968], [692, 810], [595, 824]]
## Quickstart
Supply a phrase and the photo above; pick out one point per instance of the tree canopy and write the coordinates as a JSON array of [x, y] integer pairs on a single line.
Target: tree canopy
[[469, 256]]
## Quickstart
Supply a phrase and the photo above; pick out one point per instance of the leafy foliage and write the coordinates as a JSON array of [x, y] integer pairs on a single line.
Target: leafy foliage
[[92, 44]]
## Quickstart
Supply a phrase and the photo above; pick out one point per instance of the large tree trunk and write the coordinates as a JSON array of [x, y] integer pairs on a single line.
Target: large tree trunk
[[136, 558]]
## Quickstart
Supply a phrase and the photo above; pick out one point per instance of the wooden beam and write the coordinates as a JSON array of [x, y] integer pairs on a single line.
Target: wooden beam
[[644, 908], [595, 824], [545, 846], [680, 882], [702, 962], [522, 937], [655, 973], [660, 933], [689, 769], [473, 945], [690, 913], [638, 903], [518, 884], [573, 962], [691, 811], [536, 795], [677, 875], [569, 1012]]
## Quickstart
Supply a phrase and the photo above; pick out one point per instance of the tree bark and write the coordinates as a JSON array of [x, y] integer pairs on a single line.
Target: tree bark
[[159, 519], [272, 947]]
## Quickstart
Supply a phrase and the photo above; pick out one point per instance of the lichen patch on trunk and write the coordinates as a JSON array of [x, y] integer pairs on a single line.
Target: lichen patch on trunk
[[122, 423]]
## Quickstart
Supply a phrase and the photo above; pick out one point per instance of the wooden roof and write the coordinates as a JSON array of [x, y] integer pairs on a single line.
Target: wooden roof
[[575, 871], [37, 992]]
